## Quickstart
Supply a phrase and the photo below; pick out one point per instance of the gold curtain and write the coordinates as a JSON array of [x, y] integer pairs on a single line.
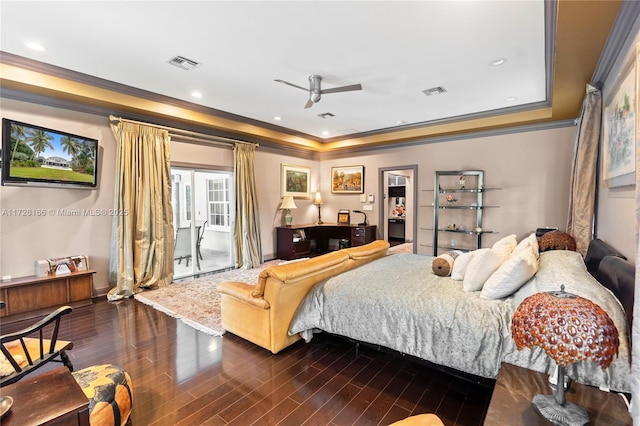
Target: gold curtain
[[248, 244], [582, 195], [142, 237]]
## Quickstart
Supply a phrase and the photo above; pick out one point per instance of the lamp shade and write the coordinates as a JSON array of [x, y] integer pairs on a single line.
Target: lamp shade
[[318, 199], [287, 203], [569, 328]]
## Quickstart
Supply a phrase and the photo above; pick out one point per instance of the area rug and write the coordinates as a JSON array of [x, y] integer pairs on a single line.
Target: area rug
[[197, 302]]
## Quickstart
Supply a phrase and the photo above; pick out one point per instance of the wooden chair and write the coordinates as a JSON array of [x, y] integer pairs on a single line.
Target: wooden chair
[[26, 353]]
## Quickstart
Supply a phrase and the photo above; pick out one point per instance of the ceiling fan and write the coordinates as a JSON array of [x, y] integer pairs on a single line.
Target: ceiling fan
[[315, 91]]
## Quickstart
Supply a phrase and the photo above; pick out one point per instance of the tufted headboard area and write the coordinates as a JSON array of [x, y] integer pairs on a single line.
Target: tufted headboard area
[[614, 271]]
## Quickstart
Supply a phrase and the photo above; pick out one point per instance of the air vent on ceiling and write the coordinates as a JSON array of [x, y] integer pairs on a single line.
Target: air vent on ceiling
[[184, 63], [326, 115], [434, 91]]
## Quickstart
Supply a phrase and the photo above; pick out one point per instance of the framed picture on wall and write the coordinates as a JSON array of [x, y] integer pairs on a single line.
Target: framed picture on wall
[[294, 181], [347, 180], [620, 121]]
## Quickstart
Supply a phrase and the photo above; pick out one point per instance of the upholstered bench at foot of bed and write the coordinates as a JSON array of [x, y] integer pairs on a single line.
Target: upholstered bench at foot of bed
[[420, 420], [109, 391]]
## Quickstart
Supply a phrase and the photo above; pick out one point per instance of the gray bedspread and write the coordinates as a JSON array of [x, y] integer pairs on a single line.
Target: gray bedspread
[[398, 303]]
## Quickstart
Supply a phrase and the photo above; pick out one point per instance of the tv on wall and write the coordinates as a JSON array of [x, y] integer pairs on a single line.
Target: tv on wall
[[36, 156]]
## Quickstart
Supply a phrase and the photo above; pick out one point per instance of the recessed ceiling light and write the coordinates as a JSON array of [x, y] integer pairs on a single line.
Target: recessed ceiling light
[[511, 98], [325, 133], [277, 118], [196, 95], [401, 122], [35, 46], [498, 61]]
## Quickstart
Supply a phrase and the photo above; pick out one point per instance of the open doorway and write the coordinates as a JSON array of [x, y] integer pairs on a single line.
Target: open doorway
[[398, 207], [203, 221]]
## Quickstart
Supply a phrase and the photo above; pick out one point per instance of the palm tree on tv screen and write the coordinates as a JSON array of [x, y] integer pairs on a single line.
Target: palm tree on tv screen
[[19, 135], [39, 141], [70, 145]]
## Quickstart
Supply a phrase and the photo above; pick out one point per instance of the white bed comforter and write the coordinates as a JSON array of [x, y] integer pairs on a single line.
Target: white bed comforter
[[398, 303]]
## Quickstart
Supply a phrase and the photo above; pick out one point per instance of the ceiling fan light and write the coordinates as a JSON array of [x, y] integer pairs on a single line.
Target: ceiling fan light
[[315, 97]]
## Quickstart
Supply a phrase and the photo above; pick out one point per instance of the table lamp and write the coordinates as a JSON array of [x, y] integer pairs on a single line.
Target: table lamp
[[318, 202], [286, 205], [569, 328]]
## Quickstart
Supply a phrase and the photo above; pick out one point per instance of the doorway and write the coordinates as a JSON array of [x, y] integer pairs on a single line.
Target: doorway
[[202, 221], [398, 207]]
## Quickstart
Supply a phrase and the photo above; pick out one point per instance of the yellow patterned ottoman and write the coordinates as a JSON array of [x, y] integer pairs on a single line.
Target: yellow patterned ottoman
[[109, 390]]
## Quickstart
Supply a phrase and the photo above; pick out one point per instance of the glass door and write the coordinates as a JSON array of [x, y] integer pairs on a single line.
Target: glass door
[[202, 221]]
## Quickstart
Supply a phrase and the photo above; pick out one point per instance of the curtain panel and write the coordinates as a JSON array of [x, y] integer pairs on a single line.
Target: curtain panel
[[582, 195], [248, 244], [142, 236]]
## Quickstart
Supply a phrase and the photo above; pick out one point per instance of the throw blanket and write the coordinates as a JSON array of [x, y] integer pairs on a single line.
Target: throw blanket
[[397, 302]]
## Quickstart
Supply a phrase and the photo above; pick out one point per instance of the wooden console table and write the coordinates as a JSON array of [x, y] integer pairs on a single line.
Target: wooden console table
[[516, 387], [292, 246], [51, 398], [33, 296]]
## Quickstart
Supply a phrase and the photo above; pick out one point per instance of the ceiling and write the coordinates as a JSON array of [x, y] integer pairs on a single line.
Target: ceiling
[[396, 50]]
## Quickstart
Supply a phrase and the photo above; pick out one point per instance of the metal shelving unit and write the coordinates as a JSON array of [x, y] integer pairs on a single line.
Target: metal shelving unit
[[467, 188]]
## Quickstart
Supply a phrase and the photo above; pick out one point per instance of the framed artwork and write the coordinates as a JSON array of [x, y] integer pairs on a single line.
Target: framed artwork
[[347, 180], [620, 130], [344, 217], [294, 181]]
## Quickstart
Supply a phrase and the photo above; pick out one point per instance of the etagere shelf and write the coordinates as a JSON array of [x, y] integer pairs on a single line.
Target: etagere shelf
[[455, 193]]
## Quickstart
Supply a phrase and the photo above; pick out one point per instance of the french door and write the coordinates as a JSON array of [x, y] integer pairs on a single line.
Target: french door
[[202, 220]]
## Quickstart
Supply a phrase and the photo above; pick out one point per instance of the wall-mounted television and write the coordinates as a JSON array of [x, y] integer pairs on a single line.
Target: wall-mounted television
[[37, 156]]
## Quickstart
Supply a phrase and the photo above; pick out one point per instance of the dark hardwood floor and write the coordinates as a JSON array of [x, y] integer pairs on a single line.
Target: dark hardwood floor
[[184, 377]]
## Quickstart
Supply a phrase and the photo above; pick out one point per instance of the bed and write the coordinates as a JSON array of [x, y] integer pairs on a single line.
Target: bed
[[397, 302]]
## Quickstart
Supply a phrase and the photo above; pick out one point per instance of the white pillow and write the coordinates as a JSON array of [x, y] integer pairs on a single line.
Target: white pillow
[[505, 245], [483, 263], [528, 243], [512, 275], [460, 265]]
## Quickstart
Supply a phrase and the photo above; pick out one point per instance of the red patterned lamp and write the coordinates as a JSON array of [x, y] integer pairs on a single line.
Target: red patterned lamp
[[569, 328]]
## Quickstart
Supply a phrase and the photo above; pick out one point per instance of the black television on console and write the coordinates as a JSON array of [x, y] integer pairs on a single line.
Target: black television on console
[[37, 156]]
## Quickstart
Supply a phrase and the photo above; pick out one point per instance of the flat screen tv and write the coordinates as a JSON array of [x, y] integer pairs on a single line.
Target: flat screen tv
[[36, 156]]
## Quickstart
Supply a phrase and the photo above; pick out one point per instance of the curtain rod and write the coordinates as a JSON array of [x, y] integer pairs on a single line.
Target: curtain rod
[[185, 133]]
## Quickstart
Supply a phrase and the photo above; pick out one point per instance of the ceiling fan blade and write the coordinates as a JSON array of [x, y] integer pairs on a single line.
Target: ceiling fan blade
[[309, 104], [292, 85], [342, 89]]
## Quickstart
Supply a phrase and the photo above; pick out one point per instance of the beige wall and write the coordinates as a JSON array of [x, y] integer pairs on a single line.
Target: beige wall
[[532, 168], [616, 207]]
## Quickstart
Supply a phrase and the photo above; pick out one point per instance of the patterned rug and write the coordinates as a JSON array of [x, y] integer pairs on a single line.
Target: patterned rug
[[197, 302]]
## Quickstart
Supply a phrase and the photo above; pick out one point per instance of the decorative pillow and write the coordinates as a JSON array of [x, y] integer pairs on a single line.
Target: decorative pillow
[[529, 243], [505, 245], [460, 265], [556, 240], [443, 264], [510, 276], [483, 263]]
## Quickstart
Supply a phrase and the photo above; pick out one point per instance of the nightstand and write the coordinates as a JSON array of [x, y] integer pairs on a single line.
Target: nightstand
[[516, 387]]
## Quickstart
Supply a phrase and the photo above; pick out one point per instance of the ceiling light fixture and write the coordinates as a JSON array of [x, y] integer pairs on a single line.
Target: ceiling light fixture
[[277, 118], [196, 95], [498, 61], [35, 46], [511, 98], [325, 133]]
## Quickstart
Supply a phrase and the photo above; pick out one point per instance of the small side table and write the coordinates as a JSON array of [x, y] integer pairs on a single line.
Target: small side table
[[516, 387], [51, 398]]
